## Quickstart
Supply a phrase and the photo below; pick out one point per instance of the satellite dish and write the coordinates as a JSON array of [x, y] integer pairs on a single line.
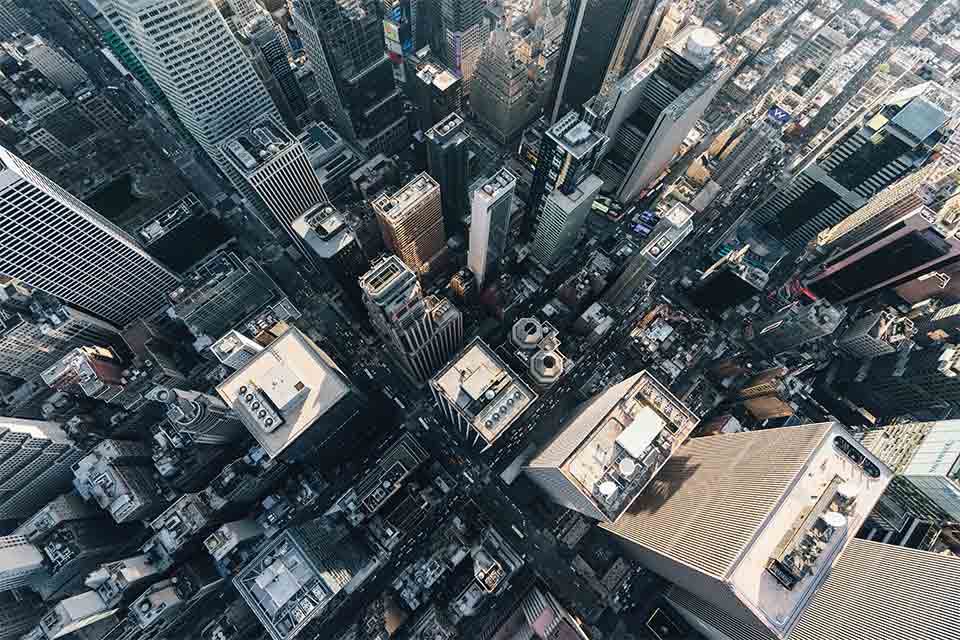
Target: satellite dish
[[834, 520], [608, 489]]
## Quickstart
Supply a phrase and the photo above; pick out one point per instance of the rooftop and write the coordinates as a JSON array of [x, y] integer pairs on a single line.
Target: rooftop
[[483, 390], [439, 77], [394, 206], [255, 147], [383, 480], [496, 185], [324, 229], [619, 440], [287, 389], [450, 125], [767, 513], [575, 136]]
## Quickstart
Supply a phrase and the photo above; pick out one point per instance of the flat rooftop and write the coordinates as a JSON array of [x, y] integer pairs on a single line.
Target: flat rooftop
[[496, 185], [258, 145], [324, 229], [439, 77], [575, 136], [483, 390], [395, 206], [446, 127], [287, 389], [619, 441]]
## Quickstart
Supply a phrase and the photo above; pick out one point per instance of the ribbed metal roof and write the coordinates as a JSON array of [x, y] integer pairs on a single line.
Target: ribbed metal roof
[[709, 501], [879, 590], [876, 591]]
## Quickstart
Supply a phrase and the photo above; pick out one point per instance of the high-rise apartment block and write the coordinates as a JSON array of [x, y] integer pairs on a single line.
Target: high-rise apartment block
[[420, 332], [491, 210], [411, 222], [275, 165], [796, 325], [292, 398], [38, 330], [752, 522], [345, 47], [447, 149], [606, 454], [562, 216], [480, 395], [36, 460], [58, 245], [188, 49], [893, 138], [658, 103]]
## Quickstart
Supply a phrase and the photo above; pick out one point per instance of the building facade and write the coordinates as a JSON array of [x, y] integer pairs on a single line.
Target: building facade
[[411, 222], [491, 207]]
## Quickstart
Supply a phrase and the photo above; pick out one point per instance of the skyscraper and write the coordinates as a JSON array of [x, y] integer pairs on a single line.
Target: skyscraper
[[437, 92], [657, 104], [491, 211], [411, 221], [20, 562], [596, 30], [875, 590], [924, 382], [271, 52], [198, 417], [913, 246], [515, 72], [56, 244], [420, 332], [891, 140], [334, 246], [36, 460], [796, 325], [118, 476], [275, 165], [727, 283], [344, 44], [187, 47], [447, 147], [610, 450], [14, 18], [480, 395], [568, 154], [293, 398], [463, 32], [37, 331], [923, 457], [675, 225], [562, 216], [220, 294], [752, 522]]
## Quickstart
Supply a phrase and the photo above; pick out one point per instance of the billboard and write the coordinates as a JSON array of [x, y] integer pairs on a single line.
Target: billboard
[[778, 115]]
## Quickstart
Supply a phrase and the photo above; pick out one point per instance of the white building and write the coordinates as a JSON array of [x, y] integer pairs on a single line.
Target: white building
[[54, 243], [491, 207], [188, 49]]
